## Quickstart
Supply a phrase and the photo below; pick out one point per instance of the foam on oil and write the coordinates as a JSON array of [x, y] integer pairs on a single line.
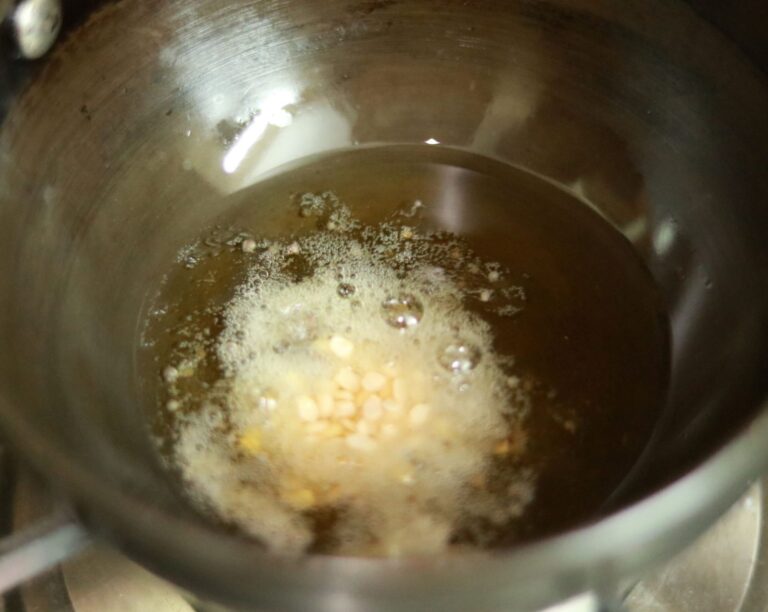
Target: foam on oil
[[401, 350]]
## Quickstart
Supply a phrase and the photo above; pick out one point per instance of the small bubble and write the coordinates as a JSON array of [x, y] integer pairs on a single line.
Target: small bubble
[[190, 261], [267, 401], [459, 358], [345, 290], [402, 311]]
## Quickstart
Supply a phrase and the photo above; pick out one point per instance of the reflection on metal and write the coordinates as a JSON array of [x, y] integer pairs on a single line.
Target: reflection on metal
[[36, 24], [30, 552], [636, 229], [724, 571], [102, 580], [243, 144], [272, 112], [448, 203], [664, 236], [587, 602], [717, 573], [431, 141]]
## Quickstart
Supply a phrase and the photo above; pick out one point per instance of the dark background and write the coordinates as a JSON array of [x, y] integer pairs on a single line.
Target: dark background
[[745, 22]]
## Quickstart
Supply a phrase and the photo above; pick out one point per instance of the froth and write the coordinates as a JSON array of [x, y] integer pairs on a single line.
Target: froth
[[382, 404]]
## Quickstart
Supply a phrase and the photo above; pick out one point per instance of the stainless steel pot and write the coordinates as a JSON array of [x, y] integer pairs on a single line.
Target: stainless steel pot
[[112, 155]]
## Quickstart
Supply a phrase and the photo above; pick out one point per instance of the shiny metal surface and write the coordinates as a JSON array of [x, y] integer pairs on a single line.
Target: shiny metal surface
[[121, 148], [719, 571], [36, 24], [98, 579], [723, 571], [102, 580], [29, 553]]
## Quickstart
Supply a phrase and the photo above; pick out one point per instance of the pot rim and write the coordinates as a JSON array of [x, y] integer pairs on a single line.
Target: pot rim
[[593, 556]]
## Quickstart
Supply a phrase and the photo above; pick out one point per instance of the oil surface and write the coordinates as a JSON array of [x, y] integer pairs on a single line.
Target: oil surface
[[573, 312]]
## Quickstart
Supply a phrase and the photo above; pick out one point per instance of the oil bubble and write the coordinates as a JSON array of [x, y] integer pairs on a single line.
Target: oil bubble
[[345, 290], [267, 401], [402, 311], [460, 357]]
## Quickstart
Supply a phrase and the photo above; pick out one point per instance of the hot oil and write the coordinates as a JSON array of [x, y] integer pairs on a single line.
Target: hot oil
[[574, 315]]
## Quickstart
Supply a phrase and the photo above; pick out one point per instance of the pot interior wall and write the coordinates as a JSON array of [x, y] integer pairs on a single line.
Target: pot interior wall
[[112, 159]]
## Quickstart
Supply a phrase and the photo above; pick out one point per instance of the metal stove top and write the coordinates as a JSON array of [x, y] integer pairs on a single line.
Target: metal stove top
[[724, 571]]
